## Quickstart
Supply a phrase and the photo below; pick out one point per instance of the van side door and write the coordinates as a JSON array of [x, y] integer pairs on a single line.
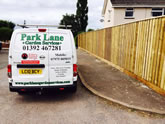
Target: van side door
[[29, 59], [60, 59]]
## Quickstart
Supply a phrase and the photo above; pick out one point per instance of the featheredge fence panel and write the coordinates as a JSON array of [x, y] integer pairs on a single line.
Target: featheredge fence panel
[[137, 48]]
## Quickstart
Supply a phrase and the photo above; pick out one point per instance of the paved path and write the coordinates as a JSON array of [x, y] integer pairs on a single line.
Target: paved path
[[111, 84]]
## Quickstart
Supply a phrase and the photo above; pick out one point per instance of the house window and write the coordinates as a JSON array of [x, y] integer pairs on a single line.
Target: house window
[[158, 11], [129, 13]]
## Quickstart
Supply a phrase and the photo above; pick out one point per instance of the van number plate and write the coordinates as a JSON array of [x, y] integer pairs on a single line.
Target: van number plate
[[30, 71]]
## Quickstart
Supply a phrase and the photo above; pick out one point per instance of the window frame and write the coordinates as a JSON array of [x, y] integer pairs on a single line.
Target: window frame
[[162, 11], [130, 9]]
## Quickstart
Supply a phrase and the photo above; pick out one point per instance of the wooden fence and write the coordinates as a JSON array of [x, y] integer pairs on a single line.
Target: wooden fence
[[137, 49]]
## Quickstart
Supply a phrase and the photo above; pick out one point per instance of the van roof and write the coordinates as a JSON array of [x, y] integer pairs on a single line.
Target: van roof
[[47, 29]]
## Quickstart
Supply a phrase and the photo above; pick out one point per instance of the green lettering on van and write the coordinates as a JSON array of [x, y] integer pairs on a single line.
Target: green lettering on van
[[51, 38], [38, 37], [23, 36], [57, 38], [61, 38], [45, 37], [28, 37]]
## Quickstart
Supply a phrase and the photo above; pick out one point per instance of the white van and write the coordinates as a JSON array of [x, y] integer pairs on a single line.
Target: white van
[[42, 59]]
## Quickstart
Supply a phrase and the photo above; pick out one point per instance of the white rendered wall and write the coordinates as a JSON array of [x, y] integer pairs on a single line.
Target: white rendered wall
[[117, 15], [139, 14], [109, 15]]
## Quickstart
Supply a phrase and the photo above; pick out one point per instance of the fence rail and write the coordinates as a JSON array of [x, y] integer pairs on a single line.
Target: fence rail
[[138, 48]]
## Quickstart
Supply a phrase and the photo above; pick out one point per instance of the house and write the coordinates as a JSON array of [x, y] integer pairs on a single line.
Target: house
[[116, 12]]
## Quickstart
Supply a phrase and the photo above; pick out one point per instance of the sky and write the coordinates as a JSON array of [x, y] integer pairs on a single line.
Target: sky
[[48, 12]]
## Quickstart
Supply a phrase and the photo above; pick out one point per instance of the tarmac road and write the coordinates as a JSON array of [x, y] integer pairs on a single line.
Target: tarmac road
[[3, 58], [64, 108]]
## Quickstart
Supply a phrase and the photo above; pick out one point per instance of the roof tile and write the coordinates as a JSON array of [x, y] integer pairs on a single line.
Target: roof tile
[[138, 2]]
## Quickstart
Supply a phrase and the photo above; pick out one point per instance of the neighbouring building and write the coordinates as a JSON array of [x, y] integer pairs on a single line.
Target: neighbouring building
[[116, 12]]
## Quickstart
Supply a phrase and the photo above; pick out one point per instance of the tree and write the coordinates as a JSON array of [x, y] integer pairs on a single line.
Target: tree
[[8, 24], [90, 30], [6, 30], [82, 15], [79, 21], [5, 33], [70, 20], [11, 25]]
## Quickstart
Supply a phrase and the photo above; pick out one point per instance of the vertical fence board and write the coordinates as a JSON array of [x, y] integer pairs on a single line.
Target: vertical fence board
[[146, 40], [112, 46], [119, 47], [157, 52], [147, 59], [109, 39], [115, 45], [142, 50], [137, 49], [134, 46], [127, 47], [154, 43], [160, 41], [155, 47], [150, 50], [122, 46], [133, 39], [97, 43], [107, 44]]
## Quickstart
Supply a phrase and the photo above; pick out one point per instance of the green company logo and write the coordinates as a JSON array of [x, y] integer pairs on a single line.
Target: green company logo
[[37, 37]]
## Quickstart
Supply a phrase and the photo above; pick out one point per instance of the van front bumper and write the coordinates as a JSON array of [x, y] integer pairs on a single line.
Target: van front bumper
[[41, 88]]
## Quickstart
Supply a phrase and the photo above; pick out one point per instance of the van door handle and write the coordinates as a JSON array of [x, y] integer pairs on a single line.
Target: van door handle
[[30, 66]]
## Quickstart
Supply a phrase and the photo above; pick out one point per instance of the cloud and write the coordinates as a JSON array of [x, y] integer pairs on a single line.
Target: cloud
[[94, 14], [47, 11]]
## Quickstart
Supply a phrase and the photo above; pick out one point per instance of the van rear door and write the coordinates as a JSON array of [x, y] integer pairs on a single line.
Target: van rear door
[[60, 59], [29, 58]]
